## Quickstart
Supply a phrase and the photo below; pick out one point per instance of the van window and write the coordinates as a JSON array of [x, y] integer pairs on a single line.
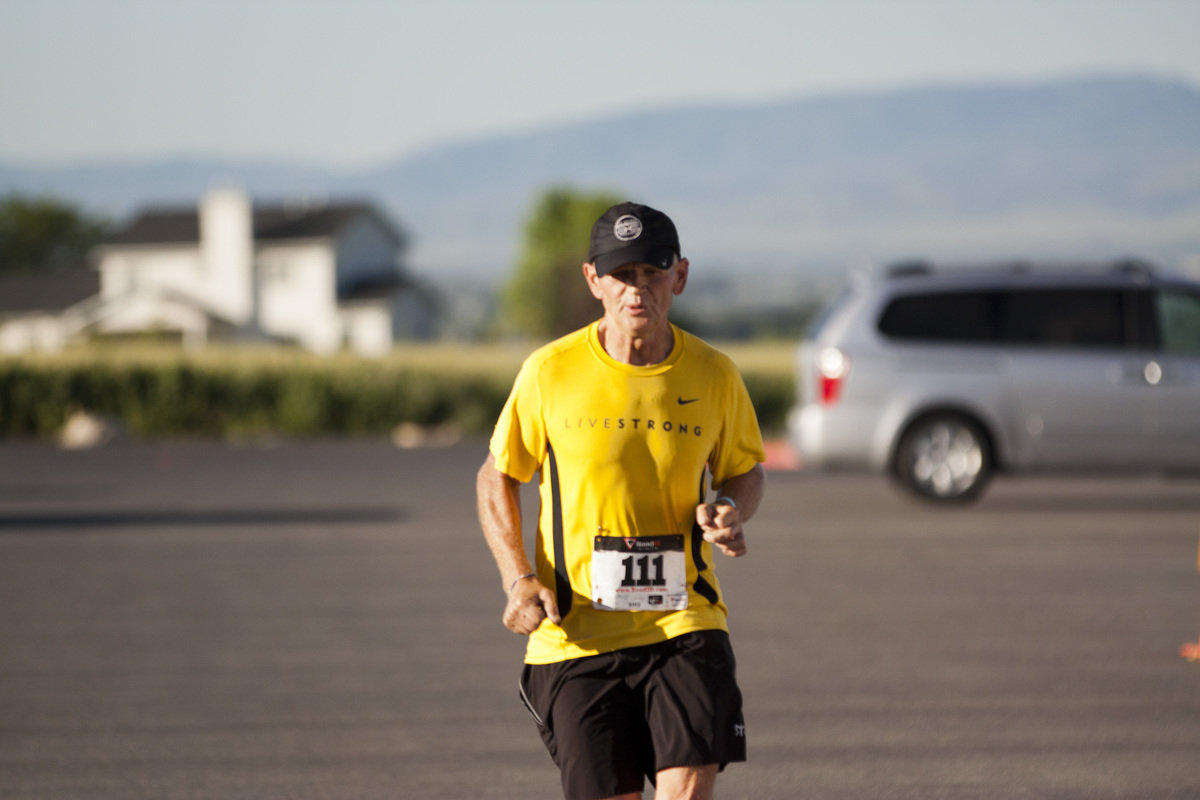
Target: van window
[[1065, 317], [945, 316], [1179, 322], [1045, 317]]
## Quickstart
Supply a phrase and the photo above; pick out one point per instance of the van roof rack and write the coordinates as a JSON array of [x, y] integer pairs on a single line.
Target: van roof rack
[[1134, 266], [904, 269]]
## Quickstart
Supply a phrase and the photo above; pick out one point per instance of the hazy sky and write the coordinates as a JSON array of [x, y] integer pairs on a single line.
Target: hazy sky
[[358, 82]]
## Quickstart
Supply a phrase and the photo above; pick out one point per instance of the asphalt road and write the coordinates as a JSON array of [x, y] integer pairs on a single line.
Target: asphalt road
[[321, 620]]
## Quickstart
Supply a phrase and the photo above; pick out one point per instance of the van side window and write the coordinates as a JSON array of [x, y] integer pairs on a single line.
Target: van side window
[[1037, 317], [1064, 317], [1179, 322], [944, 316]]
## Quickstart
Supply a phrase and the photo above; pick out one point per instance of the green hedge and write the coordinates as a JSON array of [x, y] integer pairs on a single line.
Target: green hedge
[[772, 395], [183, 396], [195, 400]]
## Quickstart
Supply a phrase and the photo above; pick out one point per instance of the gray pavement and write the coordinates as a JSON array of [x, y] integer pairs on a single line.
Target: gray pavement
[[321, 620]]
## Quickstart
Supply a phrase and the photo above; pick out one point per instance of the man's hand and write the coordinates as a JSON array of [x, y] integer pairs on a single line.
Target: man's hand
[[529, 603], [722, 525], [499, 504]]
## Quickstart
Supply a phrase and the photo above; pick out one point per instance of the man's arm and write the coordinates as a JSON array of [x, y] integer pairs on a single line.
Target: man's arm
[[722, 522], [499, 504]]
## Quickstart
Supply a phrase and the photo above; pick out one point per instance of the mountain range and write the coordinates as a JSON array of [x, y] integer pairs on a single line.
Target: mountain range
[[1090, 167]]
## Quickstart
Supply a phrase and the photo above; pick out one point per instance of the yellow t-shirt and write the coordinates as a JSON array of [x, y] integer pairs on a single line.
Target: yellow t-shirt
[[624, 452]]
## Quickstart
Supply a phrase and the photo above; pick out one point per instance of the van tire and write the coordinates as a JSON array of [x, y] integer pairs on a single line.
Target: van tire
[[944, 457]]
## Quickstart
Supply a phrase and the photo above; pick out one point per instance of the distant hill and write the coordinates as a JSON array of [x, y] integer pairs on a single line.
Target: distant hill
[[1091, 167]]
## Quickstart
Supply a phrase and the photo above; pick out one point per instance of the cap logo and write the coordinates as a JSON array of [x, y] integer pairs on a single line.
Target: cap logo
[[627, 228]]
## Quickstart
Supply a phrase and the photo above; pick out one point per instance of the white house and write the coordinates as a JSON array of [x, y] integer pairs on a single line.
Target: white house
[[324, 276]]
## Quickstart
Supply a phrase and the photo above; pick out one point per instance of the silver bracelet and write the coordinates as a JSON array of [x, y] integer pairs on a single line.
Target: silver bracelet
[[520, 578], [723, 500]]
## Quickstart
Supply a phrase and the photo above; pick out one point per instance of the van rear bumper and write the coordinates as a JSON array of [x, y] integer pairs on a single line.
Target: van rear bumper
[[834, 437]]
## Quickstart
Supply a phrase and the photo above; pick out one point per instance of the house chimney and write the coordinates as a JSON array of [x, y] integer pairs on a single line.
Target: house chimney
[[227, 253]]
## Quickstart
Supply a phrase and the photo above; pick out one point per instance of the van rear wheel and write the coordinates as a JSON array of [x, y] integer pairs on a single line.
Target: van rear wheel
[[944, 458]]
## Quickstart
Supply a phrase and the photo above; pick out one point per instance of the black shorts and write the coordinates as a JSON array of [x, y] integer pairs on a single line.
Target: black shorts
[[608, 720]]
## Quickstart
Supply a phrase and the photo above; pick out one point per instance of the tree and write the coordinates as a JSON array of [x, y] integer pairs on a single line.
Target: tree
[[546, 295], [43, 234]]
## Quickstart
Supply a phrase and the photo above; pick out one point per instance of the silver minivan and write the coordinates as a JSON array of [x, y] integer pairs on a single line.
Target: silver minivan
[[942, 376]]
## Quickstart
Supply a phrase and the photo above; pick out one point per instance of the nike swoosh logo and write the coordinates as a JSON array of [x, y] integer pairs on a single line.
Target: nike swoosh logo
[[683, 402]]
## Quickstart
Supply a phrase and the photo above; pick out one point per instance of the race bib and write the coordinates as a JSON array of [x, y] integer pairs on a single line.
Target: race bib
[[639, 573]]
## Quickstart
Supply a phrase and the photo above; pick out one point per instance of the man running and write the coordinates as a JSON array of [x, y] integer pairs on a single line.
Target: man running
[[629, 670]]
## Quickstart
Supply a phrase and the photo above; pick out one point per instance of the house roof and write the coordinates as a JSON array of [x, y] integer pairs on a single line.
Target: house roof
[[24, 292], [271, 223]]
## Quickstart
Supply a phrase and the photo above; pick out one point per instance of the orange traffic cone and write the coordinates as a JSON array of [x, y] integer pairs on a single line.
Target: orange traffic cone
[[1192, 651]]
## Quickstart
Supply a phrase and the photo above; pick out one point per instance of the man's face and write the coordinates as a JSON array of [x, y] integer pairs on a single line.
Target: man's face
[[637, 297]]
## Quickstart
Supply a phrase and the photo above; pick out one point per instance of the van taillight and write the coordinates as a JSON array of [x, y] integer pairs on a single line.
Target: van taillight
[[832, 367]]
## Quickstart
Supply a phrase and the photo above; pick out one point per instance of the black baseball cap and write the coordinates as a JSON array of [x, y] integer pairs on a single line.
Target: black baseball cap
[[631, 233]]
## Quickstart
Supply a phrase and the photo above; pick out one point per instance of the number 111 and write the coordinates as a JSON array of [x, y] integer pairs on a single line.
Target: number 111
[[643, 569]]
